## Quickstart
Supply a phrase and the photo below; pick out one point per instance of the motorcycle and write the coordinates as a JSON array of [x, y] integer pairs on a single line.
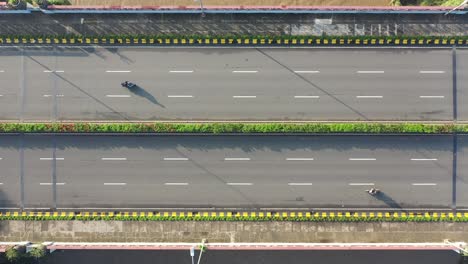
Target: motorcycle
[[373, 191], [128, 84]]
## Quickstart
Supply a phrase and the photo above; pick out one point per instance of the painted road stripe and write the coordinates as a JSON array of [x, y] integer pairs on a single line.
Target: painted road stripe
[[240, 183], [49, 183], [244, 96], [306, 96], [307, 71], [180, 96], [236, 159], [299, 159], [1, 183], [113, 158], [115, 183], [369, 96], [1, 158], [57, 95], [431, 71], [177, 183], [370, 72], [424, 184], [361, 159], [180, 71], [2, 71], [362, 184], [118, 71], [300, 184], [48, 71], [175, 159], [424, 159], [51, 158], [118, 95], [244, 71], [431, 96]]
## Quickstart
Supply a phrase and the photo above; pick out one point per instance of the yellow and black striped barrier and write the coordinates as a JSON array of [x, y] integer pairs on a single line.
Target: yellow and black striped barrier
[[307, 41], [241, 215]]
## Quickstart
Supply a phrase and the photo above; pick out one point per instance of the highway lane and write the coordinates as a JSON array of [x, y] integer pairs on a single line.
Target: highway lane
[[462, 84], [255, 256], [226, 84], [230, 171]]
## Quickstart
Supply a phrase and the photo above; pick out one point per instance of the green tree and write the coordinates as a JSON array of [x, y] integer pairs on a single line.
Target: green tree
[[38, 252], [12, 254]]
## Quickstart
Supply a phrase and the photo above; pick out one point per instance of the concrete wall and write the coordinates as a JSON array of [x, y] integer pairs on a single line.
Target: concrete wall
[[118, 231], [304, 24]]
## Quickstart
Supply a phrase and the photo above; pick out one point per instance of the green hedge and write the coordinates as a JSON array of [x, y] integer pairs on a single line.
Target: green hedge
[[240, 219], [219, 128]]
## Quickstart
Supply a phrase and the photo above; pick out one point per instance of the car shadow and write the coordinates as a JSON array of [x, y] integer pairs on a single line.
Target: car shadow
[[137, 90], [387, 200]]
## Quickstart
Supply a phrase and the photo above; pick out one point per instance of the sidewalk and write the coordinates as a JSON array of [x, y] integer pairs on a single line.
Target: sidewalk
[[230, 2], [38, 23], [231, 232]]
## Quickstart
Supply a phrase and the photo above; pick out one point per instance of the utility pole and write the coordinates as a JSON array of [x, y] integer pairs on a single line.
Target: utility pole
[[202, 248], [462, 4]]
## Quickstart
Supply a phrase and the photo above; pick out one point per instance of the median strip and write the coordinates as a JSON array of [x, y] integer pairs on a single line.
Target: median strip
[[237, 128]]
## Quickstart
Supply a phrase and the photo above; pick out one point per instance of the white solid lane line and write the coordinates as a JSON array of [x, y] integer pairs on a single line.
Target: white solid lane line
[[300, 184], [431, 71], [2, 71], [307, 71], [369, 96], [240, 183], [181, 71], [362, 159], [115, 183], [423, 159], [180, 96], [362, 184], [370, 71], [244, 71], [431, 96], [306, 96], [244, 96], [1, 158], [175, 159], [177, 183], [49, 183], [299, 159], [113, 158], [118, 71], [51, 158], [424, 184], [236, 159], [1, 183], [118, 95]]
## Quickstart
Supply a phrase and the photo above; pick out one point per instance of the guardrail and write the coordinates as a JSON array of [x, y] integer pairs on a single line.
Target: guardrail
[[305, 41]]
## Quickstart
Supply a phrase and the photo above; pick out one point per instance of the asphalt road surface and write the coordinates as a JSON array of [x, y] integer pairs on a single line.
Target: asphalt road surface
[[54, 83], [232, 171], [255, 257]]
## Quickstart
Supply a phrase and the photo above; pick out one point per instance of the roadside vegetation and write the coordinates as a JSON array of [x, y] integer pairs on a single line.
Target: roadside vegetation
[[18, 254], [241, 128]]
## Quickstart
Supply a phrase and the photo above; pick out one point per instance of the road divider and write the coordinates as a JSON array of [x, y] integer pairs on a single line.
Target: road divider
[[237, 128], [235, 40], [264, 215]]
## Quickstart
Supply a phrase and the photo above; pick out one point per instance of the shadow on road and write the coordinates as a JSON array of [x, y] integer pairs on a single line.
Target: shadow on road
[[387, 200], [143, 93]]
